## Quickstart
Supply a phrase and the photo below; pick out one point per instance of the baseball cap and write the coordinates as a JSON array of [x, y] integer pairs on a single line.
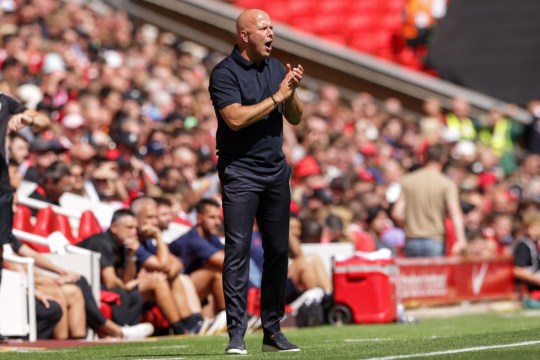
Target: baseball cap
[[30, 95], [306, 166], [43, 145], [156, 148]]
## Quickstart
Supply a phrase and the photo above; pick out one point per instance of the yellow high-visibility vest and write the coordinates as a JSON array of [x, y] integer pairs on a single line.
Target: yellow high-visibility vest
[[464, 126], [500, 138]]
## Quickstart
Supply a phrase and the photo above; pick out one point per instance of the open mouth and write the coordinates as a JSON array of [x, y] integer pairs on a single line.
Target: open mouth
[[268, 45]]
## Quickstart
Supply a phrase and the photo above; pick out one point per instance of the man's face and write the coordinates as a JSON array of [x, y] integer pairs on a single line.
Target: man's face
[[125, 229], [56, 189], [260, 36], [45, 159], [165, 216], [210, 220], [148, 215], [18, 150]]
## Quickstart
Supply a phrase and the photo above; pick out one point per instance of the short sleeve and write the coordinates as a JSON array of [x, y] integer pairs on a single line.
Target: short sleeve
[[201, 249], [14, 106], [143, 254], [522, 256], [224, 88]]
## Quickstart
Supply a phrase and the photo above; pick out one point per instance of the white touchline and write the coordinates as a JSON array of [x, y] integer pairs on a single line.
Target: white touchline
[[364, 340], [456, 351]]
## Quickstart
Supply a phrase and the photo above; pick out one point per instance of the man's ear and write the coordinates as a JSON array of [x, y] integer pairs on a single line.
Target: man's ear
[[244, 35]]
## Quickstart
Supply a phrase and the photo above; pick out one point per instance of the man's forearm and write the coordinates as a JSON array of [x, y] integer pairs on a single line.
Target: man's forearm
[[293, 109], [239, 116]]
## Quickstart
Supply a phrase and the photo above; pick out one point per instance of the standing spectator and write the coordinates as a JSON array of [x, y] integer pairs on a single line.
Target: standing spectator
[[460, 122], [426, 196], [532, 130], [13, 116], [251, 92]]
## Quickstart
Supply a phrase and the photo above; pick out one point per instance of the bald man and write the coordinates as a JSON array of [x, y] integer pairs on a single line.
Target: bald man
[[251, 92]]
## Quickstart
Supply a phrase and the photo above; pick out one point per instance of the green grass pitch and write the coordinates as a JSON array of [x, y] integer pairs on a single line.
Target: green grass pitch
[[494, 336]]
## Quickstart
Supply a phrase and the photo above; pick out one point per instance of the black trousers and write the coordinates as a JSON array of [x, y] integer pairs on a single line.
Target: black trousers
[[94, 317], [46, 318], [246, 197], [128, 312], [6, 200]]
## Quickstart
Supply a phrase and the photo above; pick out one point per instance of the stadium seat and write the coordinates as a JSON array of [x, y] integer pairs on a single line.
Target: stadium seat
[[43, 227], [21, 219], [88, 225], [359, 23], [61, 223], [365, 7], [332, 7], [246, 4], [328, 24], [107, 299], [156, 318]]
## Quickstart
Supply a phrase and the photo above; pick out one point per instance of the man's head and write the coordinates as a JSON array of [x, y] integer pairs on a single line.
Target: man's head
[[164, 212], [437, 153], [145, 210], [531, 224], [124, 226], [208, 217], [254, 34], [56, 180]]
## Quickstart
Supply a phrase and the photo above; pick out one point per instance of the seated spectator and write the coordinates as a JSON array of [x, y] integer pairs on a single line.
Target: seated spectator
[[382, 231], [118, 248], [526, 257], [153, 257], [478, 247], [499, 232], [76, 299], [48, 310], [311, 231], [55, 181], [43, 152], [305, 271], [202, 253]]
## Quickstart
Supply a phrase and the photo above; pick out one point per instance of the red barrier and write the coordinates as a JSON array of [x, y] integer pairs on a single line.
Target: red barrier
[[448, 280]]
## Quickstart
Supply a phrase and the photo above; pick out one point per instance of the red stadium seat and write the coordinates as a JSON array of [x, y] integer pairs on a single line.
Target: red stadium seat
[[330, 24], [88, 225], [247, 4], [332, 7], [107, 299], [156, 318], [359, 23], [61, 224], [21, 219], [43, 227]]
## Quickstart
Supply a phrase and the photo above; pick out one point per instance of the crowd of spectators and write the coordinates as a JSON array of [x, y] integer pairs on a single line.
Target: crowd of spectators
[[131, 116]]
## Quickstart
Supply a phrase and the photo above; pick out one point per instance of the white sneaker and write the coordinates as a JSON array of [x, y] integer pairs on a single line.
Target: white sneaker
[[204, 327], [219, 325], [137, 332]]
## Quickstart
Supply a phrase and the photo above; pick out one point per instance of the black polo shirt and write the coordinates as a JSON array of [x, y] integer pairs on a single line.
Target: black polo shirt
[[259, 147], [526, 256], [104, 243], [8, 107]]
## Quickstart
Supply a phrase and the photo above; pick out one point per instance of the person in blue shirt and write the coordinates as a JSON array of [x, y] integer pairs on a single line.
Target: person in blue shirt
[[251, 92], [154, 261], [202, 254]]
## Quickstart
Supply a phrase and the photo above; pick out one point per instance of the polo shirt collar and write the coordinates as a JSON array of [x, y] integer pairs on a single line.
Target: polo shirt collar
[[240, 60]]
